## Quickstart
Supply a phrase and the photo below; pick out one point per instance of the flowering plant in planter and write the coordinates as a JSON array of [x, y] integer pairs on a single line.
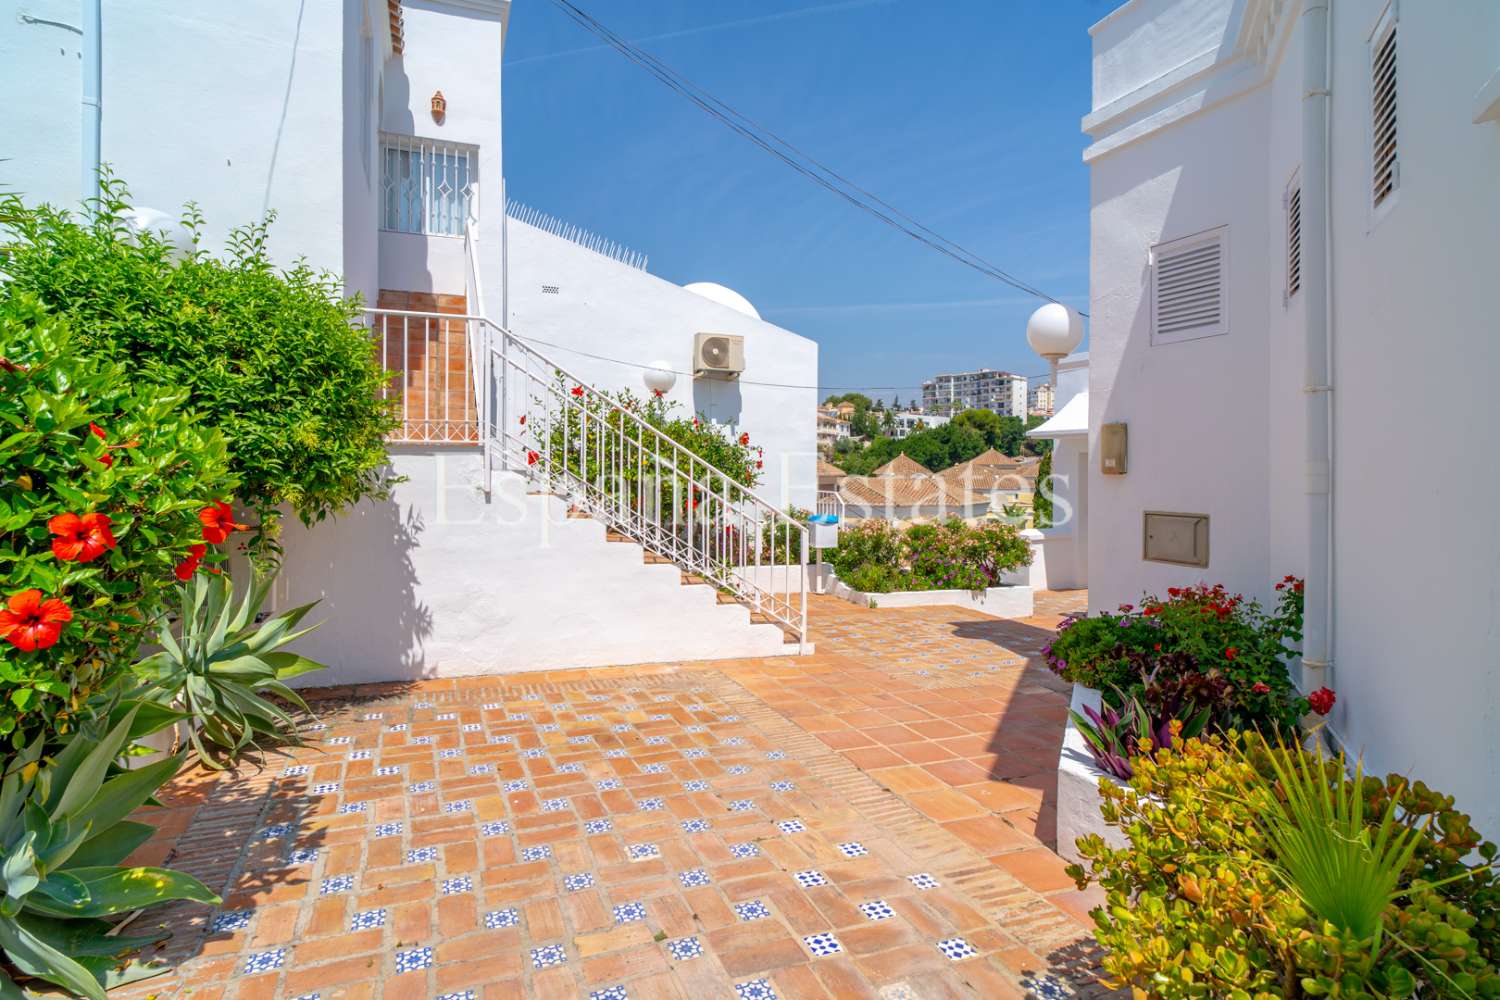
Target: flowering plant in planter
[[875, 557]]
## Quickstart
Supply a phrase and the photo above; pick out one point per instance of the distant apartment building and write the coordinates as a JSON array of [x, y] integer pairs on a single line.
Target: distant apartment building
[[1039, 400], [832, 428], [908, 422], [1002, 392]]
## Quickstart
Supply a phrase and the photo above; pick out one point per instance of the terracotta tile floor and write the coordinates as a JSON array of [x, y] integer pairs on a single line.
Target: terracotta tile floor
[[869, 821]]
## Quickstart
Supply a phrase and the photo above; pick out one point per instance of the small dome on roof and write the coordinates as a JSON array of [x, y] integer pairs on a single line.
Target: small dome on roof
[[724, 297]]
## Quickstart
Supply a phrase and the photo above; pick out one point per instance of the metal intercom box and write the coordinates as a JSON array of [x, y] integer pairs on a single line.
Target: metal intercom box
[[1112, 449], [1175, 538]]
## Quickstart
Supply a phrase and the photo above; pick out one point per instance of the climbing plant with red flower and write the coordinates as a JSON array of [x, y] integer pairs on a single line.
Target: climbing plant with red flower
[[218, 522], [102, 479]]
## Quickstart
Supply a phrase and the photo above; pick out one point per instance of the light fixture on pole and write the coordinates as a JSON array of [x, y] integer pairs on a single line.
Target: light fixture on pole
[[1054, 331], [659, 378]]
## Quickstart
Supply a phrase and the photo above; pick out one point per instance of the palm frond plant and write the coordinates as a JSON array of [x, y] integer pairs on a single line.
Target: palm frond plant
[[226, 671], [63, 834]]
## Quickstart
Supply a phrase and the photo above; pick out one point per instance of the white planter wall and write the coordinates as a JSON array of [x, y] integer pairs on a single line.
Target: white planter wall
[[1078, 783], [1000, 602]]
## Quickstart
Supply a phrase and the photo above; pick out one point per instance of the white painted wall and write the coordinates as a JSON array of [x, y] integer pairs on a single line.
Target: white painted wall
[[605, 308], [1194, 127], [438, 583], [1060, 552]]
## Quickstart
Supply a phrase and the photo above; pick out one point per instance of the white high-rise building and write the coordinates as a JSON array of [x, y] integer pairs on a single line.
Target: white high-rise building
[[1002, 392]]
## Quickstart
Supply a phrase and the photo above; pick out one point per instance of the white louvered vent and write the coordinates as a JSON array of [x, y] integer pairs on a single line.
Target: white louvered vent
[[1188, 296], [1294, 240], [1385, 164]]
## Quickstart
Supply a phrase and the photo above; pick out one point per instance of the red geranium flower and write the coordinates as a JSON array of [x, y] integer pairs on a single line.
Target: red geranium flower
[[523, 420], [189, 566], [744, 440], [29, 623], [218, 522], [1260, 687], [1231, 653], [578, 390], [1321, 700], [759, 464], [531, 457], [658, 393], [81, 539]]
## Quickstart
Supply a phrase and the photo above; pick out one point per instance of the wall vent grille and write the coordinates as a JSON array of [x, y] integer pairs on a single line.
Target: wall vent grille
[[1294, 241], [1188, 296], [1387, 171]]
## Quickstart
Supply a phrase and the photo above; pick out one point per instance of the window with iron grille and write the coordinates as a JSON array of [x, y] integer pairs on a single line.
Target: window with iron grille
[[1293, 238], [425, 185], [1385, 162], [1189, 298]]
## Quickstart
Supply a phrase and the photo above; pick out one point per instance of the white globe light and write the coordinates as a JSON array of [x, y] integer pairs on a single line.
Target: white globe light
[[659, 377], [167, 228], [1054, 330]]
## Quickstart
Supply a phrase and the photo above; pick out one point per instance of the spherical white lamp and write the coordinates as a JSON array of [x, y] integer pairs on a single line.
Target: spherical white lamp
[[659, 377], [167, 228], [1054, 331]]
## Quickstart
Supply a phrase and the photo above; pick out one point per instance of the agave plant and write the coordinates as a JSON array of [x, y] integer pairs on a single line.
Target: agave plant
[[63, 834], [222, 668]]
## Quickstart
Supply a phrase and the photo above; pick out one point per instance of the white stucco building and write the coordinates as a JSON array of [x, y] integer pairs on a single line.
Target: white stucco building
[[372, 129], [906, 423], [1295, 230]]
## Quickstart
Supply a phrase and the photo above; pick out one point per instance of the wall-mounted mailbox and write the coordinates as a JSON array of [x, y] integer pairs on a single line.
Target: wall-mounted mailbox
[[1112, 449], [1176, 538]]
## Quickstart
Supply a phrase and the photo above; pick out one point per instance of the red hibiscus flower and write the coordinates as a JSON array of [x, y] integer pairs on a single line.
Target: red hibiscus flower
[[578, 391], [1231, 653], [189, 566], [744, 440], [1321, 700], [218, 522], [81, 539], [27, 622], [1261, 687], [531, 457]]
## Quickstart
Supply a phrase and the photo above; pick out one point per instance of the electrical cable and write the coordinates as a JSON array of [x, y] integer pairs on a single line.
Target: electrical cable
[[792, 156]]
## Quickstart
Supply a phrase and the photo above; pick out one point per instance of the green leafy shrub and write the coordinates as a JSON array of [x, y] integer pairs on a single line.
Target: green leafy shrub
[[951, 555], [1041, 500], [63, 834], [218, 666], [1202, 630], [1209, 898], [102, 482], [276, 360]]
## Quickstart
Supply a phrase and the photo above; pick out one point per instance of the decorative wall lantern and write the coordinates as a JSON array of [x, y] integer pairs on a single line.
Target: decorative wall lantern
[[439, 107]]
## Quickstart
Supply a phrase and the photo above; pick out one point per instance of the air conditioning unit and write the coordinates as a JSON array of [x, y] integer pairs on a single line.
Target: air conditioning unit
[[718, 355]]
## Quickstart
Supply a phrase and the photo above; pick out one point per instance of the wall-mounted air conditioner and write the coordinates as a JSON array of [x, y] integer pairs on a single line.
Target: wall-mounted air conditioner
[[718, 355]]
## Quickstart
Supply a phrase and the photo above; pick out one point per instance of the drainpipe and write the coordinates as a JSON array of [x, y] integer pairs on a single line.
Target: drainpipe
[[93, 87], [1317, 386]]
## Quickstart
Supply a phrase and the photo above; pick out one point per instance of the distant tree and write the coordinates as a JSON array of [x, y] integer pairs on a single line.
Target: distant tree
[[1037, 446], [1041, 498], [896, 405], [985, 422]]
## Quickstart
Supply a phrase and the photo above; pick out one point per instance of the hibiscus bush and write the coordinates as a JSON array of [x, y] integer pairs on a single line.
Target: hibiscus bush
[[107, 486], [1196, 635], [274, 359], [876, 557], [1215, 893]]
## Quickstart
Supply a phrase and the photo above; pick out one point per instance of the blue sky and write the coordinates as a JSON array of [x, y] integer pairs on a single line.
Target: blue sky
[[962, 113]]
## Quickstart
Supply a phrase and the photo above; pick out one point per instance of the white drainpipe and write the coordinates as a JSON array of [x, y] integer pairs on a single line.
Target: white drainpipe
[[93, 87], [1317, 252]]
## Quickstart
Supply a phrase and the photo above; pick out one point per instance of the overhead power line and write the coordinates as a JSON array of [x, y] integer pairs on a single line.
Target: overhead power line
[[800, 161]]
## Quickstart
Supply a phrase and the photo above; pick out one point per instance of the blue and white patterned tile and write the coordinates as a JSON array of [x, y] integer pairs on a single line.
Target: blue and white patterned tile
[[729, 718], [693, 878], [470, 727], [459, 806], [791, 826], [494, 828], [877, 909], [610, 993], [621, 727], [460, 995], [956, 949], [367, 920], [419, 787], [575, 883], [457, 885], [696, 785], [652, 804], [822, 944], [548, 727], [642, 852], [340, 741], [336, 884], [629, 913], [349, 808], [695, 729], [752, 909], [423, 704], [685, 949], [534, 753], [301, 855], [607, 784], [387, 770], [694, 753], [516, 785], [295, 771], [588, 717], [922, 880], [230, 921], [556, 805], [501, 740], [1046, 986], [399, 727], [661, 697], [421, 855], [541, 852], [580, 740], [783, 786], [738, 769], [654, 769], [732, 741], [445, 716], [853, 849], [660, 717], [452, 753], [696, 826], [373, 716], [518, 716], [392, 829], [316, 727], [616, 754], [602, 825], [475, 770], [491, 706], [496, 919], [775, 755], [361, 754], [741, 805], [755, 989], [422, 741], [278, 831], [324, 788], [413, 960], [265, 961], [745, 850], [811, 877], [547, 956], [572, 767]]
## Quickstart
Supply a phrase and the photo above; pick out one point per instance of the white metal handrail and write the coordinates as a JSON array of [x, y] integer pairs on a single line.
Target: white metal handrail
[[568, 438]]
